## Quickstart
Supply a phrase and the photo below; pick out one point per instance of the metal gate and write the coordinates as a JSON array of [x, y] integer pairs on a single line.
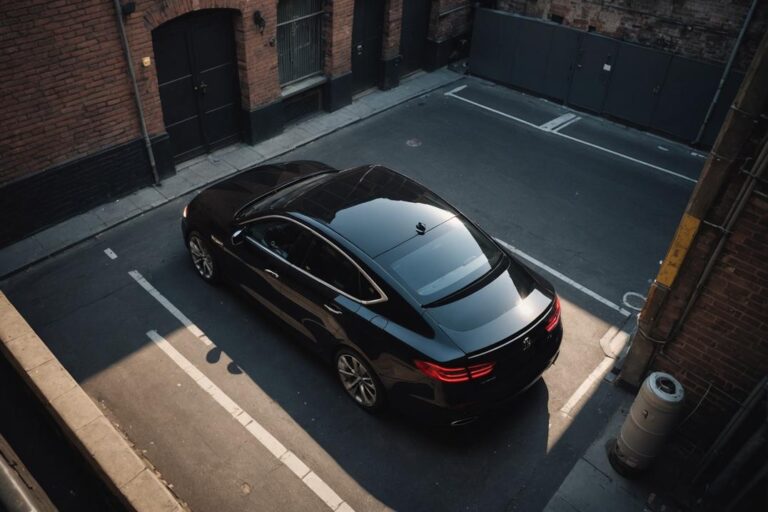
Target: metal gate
[[367, 32], [413, 38], [197, 78], [299, 39]]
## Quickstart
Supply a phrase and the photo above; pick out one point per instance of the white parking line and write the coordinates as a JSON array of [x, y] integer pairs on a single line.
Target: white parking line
[[109, 252], [565, 278], [551, 125], [557, 132], [262, 435], [498, 112], [195, 330], [597, 374]]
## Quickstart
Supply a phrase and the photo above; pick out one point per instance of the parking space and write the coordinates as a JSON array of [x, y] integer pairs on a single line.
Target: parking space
[[593, 222]]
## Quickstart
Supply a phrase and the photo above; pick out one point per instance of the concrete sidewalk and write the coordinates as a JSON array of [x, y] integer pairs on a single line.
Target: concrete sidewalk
[[593, 485], [199, 172]]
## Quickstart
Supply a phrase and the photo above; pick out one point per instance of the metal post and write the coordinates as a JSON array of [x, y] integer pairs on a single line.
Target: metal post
[[726, 71], [137, 97]]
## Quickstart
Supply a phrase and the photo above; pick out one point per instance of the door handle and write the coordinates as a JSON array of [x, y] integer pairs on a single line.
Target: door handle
[[359, 49], [272, 273], [332, 309], [202, 86]]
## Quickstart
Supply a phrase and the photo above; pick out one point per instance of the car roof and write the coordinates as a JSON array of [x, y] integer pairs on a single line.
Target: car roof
[[373, 207]]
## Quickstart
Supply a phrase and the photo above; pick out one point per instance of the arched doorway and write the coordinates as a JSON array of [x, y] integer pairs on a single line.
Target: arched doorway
[[198, 81]]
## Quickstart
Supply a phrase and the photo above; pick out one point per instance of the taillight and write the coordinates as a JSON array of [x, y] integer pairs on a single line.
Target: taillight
[[454, 374], [554, 316]]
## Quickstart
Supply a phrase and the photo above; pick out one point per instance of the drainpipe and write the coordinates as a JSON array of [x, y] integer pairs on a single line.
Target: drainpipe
[[137, 97], [726, 71]]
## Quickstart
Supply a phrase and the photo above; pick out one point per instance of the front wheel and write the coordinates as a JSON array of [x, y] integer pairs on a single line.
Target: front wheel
[[360, 381], [202, 258]]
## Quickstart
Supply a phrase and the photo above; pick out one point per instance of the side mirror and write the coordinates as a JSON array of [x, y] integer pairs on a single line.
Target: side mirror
[[237, 237]]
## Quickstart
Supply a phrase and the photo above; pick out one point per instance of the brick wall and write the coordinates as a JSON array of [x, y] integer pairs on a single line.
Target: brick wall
[[698, 29], [450, 18], [338, 37], [722, 347], [66, 91], [392, 23]]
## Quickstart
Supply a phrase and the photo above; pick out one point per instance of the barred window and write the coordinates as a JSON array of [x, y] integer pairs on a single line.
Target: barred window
[[299, 39]]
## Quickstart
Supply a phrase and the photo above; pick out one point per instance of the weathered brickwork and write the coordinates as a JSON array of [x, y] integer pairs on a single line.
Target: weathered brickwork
[[721, 351], [450, 18], [65, 91], [392, 22], [338, 37], [699, 29]]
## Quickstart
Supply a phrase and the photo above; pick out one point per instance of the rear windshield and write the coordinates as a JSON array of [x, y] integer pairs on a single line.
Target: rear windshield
[[444, 260]]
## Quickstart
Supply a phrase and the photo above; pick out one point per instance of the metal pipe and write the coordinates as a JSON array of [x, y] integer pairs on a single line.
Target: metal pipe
[[15, 495], [137, 97], [726, 71], [741, 200]]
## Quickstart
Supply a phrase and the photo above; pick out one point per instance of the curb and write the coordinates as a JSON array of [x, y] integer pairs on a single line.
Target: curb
[[312, 138], [129, 476]]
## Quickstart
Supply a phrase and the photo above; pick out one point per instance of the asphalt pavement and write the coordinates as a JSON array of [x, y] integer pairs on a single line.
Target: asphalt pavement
[[591, 205]]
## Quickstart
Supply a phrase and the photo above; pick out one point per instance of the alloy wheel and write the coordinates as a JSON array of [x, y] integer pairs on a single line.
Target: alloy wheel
[[357, 380], [201, 257]]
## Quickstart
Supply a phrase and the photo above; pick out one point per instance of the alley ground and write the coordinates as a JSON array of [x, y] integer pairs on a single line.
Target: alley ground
[[589, 204]]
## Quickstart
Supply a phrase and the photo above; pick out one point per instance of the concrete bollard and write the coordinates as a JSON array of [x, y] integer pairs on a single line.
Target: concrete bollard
[[651, 418]]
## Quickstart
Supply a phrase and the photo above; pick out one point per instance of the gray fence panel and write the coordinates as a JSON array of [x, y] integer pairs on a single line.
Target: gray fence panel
[[529, 62], [560, 63], [685, 97], [592, 75], [637, 79], [728, 94], [486, 59]]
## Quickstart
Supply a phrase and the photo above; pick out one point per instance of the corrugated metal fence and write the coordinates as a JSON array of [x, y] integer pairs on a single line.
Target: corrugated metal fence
[[642, 86]]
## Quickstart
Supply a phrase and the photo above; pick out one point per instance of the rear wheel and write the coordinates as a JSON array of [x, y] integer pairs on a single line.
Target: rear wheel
[[360, 381], [202, 258]]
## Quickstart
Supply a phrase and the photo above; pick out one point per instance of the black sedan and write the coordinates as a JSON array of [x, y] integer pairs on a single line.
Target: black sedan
[[414, 304]]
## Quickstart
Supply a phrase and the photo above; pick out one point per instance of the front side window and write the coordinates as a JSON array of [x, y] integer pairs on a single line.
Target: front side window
[[284, 238]]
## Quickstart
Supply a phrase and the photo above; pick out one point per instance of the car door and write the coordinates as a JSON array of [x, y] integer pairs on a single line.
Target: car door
[[329, 295], [263, 252]]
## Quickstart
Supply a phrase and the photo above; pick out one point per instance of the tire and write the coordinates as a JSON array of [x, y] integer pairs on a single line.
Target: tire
[[202, 258], [360, 381]]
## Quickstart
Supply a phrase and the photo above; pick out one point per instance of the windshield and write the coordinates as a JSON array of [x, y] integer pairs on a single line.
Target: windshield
[[442, 261]]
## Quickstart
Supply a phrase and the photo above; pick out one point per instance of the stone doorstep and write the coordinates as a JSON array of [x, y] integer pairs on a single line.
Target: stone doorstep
[[129, 476]]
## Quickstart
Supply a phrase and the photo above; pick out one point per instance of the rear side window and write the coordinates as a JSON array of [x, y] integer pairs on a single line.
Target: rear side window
[[329, 265]]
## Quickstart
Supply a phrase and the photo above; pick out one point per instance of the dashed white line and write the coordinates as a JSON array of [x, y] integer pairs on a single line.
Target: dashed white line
[[566, 125], [316, 484], [554, 123], [557, 132], [565, 278], [109, 252], [585, 386], [181, 317]]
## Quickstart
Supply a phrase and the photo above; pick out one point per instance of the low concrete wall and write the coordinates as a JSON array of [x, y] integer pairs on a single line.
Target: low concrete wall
[[128, 475]]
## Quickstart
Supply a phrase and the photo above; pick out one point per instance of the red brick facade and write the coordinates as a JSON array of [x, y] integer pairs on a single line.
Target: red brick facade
[[698, 29], [68, 108]]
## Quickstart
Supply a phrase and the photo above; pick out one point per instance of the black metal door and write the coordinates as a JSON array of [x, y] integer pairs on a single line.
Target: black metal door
[[367, 31], [197, 77], [637, 80], [413, 36], [594, 63]]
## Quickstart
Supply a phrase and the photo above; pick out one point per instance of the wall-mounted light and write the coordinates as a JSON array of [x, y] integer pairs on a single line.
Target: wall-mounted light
[[259, 21]]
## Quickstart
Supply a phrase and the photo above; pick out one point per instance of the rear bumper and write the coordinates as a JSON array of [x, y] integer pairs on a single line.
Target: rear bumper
[[442, 407]]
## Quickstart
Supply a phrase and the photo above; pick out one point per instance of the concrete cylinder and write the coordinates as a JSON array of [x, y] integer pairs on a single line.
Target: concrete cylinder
[[651, 418]]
